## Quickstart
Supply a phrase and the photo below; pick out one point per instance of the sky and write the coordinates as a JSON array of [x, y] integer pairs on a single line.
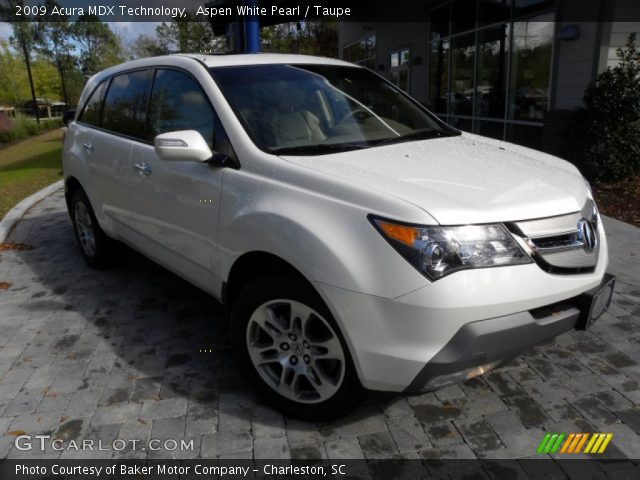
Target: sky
[[128, 30]]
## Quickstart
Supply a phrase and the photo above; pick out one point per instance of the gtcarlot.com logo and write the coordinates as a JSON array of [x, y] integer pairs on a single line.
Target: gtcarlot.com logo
[[574, 443]]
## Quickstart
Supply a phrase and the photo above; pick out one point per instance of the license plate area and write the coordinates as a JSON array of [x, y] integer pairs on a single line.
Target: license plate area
[[594, 303]]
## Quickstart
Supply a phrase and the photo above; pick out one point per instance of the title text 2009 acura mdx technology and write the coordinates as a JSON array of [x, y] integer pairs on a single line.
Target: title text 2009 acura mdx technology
[[355, 239]]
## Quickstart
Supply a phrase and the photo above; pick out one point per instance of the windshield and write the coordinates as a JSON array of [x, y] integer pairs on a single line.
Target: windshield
[[315, 109]]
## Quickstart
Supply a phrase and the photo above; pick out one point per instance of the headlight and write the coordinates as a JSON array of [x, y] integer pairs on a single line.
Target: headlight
[[437, 251]]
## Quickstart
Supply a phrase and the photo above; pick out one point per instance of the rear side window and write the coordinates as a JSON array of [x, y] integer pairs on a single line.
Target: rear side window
[[124, 104], [178, 103], [93, 108]]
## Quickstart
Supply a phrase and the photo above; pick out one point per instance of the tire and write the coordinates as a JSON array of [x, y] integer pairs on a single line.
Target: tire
[[282, 323], [98, 250]]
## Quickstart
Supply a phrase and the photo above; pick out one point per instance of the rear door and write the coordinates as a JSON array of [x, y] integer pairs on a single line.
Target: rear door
[[109, 125]]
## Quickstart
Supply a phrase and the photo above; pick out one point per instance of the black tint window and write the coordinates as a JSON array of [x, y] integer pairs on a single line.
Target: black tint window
[[178, 103], [124, 104], [91, 113]]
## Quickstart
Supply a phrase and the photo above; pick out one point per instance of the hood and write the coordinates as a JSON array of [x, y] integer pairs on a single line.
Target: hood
[[463, 179]]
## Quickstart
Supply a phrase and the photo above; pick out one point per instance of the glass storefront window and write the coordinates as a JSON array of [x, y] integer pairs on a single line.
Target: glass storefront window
[[463, 15], [362, 52], [493, 11], [439, 76], [491, 83], [460, 97], [399, 68], [531, 68], [490, 64], [528, 7], [439, 22]]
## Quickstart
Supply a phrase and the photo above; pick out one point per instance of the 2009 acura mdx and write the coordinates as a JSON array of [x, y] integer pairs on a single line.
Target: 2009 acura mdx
[[355, 239]]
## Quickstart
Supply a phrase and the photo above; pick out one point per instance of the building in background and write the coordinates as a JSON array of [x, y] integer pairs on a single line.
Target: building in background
[[508, 69]]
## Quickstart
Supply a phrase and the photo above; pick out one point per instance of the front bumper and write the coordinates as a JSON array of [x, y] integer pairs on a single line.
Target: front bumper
[[468, 319], [479, 346]]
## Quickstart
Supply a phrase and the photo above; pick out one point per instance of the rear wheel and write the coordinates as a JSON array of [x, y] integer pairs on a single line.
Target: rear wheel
[[294, 349], [97, 249]]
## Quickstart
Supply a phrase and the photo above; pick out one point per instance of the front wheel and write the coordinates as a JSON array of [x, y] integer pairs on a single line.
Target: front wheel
[[294, 349]]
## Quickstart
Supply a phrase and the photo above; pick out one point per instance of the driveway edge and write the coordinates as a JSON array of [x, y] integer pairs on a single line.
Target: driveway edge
[[16, 213]]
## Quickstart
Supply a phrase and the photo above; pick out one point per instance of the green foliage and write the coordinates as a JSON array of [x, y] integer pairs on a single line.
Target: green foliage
[[99, 46], [14, 86], [606, 134], [22, 127], [308, 38], [187, 35], [145, 46]]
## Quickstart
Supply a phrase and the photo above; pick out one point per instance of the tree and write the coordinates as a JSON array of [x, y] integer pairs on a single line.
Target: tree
[[24, 39], [188, 35], [13, 77], [310, 38], [99, 46], [607, 130], [145, 46], [55, 43]]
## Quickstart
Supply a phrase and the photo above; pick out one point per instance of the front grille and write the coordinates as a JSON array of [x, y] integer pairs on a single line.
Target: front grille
[[563, 244]]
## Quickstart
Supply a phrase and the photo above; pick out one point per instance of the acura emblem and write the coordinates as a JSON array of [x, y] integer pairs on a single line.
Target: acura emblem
[[587, 235]]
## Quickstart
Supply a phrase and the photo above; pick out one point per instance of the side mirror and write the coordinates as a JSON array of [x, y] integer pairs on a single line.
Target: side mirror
[[183, 145], [67, 116]]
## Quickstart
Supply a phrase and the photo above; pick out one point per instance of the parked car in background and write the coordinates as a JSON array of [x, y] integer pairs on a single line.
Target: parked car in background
[[357, 241]]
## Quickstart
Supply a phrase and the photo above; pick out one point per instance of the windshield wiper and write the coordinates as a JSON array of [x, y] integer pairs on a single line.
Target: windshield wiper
[[318, 149], [417, 135]]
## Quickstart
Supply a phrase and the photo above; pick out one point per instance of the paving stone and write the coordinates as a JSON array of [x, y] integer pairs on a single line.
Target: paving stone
[[443, 434], [522, 444], [24, 402], [167, 428], [115, 414], [83, 403], [528, 411], [343, 449], [362, 421], [271, 448], [223, 443], [146, 389], [595, 412], [630, 417], [395, 407], [504, 422], [378, 445], [309, 451], [407, 433], [479, 435], [171, 407]]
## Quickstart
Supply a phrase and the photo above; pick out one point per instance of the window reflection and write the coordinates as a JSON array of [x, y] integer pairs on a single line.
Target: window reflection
[[492, 72], [460, 98], [439, 75], [531, 68]]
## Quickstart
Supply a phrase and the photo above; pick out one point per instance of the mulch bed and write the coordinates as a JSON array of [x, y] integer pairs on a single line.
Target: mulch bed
[[620, 200]]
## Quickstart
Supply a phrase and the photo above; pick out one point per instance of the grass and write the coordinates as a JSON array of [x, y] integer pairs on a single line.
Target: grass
[[28, 166], [22, 127]]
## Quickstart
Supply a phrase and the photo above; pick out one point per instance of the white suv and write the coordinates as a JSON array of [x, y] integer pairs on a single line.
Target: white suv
[[354, 238]]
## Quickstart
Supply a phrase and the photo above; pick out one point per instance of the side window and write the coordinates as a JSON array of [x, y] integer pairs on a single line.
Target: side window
[[124, 104], [178, 103], [93, 108]]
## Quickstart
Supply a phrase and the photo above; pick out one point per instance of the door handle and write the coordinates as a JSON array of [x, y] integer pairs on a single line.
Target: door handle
[[89, 147], [144, 169]]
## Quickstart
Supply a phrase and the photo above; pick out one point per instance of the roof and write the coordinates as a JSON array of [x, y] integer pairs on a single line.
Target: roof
[[212, 60]]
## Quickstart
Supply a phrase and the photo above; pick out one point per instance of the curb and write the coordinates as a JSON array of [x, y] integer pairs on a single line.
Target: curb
[[16, 213]]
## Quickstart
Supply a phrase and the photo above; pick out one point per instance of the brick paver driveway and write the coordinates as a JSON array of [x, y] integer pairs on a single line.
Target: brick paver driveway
[[121, 354]]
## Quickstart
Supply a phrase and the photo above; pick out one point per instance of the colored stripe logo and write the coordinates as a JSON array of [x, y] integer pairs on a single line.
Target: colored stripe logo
[[568, 443]]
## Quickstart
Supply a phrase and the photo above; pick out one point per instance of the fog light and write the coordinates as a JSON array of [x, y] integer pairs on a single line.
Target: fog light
[[443, 380]]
